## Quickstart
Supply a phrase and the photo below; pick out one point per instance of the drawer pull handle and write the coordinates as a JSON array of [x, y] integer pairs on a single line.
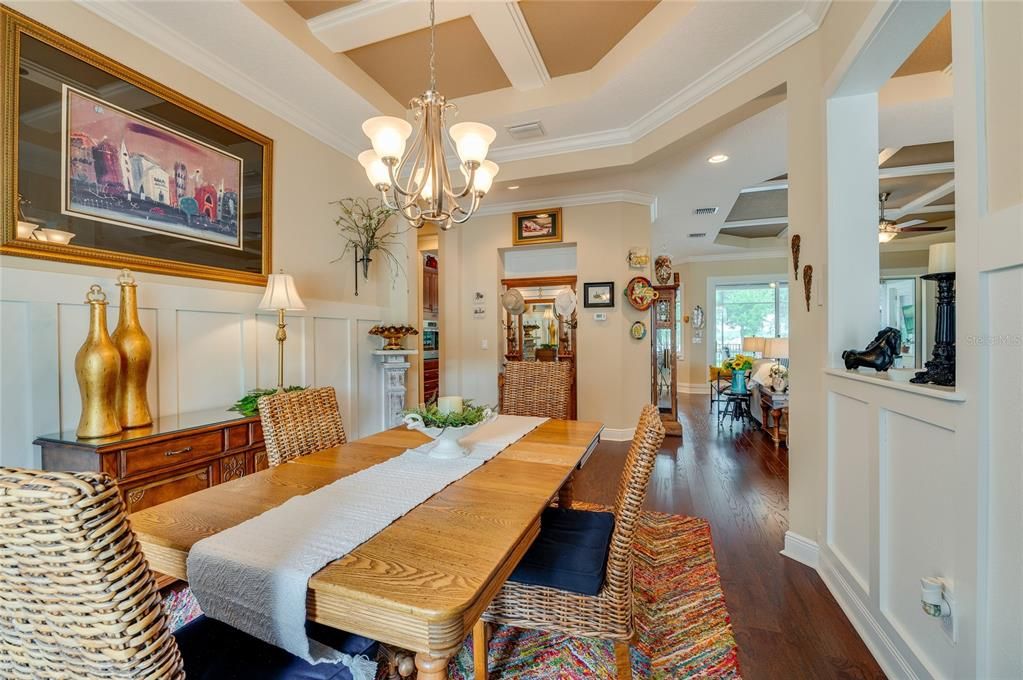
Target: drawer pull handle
[[178, 452]]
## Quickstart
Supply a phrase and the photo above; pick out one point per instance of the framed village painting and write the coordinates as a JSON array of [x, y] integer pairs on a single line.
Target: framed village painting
[[536, 226], [105, 166]]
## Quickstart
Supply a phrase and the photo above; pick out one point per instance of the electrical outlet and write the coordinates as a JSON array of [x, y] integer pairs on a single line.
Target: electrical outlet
[[484, 343]]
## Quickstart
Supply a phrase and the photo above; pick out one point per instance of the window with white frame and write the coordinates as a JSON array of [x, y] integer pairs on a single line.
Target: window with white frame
[[749, 309]]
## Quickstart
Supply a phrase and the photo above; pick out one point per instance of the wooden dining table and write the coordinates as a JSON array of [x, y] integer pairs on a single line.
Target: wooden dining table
[[422, 583]]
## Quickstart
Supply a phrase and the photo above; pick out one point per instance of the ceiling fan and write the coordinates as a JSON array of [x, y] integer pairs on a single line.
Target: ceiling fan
[[887, 229]]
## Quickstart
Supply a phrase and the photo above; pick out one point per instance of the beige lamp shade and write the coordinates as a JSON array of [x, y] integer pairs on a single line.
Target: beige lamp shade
[[941, 258], [281, 293], [753, 344], [777, 348]]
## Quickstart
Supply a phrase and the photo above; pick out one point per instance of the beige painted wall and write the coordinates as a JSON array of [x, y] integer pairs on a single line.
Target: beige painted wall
[[308, 174], [614, 370]]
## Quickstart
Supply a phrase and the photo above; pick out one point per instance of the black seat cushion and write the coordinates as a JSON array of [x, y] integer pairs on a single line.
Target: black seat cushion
[[215, 651], [570, 553]]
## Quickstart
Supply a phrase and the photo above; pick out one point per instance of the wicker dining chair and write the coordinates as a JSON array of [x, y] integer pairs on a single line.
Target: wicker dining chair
[[607, 614], [537, 388], [299, 423], [77, 598]]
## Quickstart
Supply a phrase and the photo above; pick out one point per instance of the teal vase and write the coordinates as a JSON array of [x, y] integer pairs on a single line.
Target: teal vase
[[739, 382]]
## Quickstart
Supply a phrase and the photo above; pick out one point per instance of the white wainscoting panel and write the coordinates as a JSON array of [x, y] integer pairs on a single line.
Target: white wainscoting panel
[[913, 494], [210, 345], [849, 460], [892, 500], [332, 365]]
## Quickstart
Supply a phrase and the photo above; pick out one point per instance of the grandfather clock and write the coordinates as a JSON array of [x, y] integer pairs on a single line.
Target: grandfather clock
[[663, 360]]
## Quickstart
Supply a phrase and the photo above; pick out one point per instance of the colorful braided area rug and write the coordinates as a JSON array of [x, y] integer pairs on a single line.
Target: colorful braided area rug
[[682, 624]]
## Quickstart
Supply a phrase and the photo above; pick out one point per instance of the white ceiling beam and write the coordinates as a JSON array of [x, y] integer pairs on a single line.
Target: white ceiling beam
[[915, 170], [893, 213], [771, 185], [364, 23], [755, 223], [501, 24], [887, 153], [930, 197], [507, 33]]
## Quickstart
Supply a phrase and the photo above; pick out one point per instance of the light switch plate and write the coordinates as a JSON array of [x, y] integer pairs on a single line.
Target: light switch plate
[[484, 343]]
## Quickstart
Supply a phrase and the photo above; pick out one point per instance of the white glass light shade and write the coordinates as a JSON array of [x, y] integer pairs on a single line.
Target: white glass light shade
[[472, 141], [281, 293], [388, 135], [484, 178], [427, 193], [941, 258], [885, 236], [777, 348], [54, 235], [376, 171]]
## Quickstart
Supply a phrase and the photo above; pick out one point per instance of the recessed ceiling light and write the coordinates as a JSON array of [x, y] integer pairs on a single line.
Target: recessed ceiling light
[[717, 158], [513, 187]]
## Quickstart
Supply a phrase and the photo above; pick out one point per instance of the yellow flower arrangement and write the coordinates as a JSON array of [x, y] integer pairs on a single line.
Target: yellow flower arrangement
[[740, 362]]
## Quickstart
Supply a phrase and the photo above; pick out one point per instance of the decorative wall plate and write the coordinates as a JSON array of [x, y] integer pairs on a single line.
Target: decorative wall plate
[[513, 302], [638, 330], [640, 293]]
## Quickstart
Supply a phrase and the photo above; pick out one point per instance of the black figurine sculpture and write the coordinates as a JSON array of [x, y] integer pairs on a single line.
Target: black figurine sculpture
[[880, 353]]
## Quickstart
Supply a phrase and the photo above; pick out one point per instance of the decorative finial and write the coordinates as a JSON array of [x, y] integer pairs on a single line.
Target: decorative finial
[[126, 278], [96, 295]]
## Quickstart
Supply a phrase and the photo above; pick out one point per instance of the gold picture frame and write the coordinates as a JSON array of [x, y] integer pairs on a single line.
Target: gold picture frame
[[28, 46], [531, 227]]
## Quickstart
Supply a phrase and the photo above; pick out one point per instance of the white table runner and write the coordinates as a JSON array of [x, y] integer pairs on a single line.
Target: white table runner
[[254, 576]]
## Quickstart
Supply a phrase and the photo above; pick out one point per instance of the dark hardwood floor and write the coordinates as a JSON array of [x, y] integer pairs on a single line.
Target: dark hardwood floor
[[786, 622]]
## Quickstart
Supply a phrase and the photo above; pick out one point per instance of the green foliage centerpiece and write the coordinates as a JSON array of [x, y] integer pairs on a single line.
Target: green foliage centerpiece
[[446, 428]]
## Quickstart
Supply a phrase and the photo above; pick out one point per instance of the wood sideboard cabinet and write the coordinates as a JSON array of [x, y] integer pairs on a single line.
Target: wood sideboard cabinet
[[174, 456]]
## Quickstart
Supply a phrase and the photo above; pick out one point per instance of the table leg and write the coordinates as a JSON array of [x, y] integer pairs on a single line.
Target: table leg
[[565, 493], [432, 668], [480, 638]]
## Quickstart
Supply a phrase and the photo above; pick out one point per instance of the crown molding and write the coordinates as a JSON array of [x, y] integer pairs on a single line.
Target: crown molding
[[572, 200], [129, 17], [132, 17], [765, 254], [774, 42]]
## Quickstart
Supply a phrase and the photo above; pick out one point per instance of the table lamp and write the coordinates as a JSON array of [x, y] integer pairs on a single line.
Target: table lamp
[[941, 267], [282, 296], [776, 348], [754, 344]]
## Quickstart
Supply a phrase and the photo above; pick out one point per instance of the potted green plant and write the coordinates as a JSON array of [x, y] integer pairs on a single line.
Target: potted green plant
[[249, 406], [363, 224], [447, 428], [547, 352]]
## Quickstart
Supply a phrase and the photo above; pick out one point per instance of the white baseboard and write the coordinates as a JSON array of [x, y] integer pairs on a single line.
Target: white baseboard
[[610, 434], [863, 619], [694, 388], [801, 549]]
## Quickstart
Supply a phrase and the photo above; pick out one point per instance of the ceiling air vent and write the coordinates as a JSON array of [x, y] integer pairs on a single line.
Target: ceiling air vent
[[698, 234], [706, 211], [526, 130]]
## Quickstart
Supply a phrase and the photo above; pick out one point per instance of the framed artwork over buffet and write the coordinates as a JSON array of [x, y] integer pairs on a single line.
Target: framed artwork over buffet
[[105, 166]]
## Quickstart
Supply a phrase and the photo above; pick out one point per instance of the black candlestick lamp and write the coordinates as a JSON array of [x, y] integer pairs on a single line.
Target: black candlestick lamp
[[941, 369]]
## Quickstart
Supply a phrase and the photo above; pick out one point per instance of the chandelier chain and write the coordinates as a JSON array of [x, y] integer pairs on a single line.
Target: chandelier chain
[[433, 48]]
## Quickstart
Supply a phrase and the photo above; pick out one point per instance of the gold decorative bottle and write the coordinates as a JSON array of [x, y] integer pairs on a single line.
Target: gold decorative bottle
[[136, 352], [97, 366]]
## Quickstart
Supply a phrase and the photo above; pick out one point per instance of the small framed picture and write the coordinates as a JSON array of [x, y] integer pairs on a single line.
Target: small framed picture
[[599, 294], [536, 226]]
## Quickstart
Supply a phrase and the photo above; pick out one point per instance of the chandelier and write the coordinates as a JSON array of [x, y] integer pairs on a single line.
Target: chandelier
[[416, 181]]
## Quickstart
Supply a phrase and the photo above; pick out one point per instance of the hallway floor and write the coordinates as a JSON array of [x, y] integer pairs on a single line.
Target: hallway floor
[[786, 622]]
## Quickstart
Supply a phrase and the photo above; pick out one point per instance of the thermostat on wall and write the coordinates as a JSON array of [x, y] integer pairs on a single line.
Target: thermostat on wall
[[600, 316]]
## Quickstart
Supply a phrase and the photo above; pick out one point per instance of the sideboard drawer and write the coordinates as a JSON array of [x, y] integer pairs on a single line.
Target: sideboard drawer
[[152, 493], [170, 453]]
